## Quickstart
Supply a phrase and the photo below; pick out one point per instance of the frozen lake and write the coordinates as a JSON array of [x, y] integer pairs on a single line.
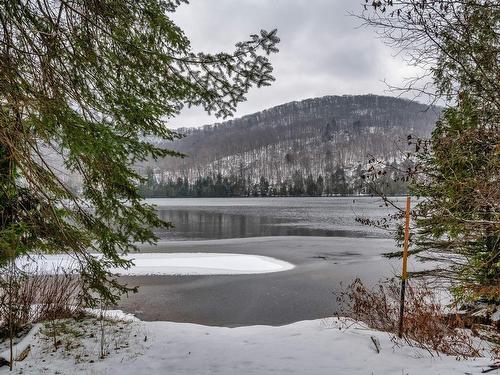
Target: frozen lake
[[318, 235], [217, 218]]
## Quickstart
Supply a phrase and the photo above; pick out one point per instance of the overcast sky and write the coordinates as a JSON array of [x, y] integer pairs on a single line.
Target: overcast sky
[[323, 51]]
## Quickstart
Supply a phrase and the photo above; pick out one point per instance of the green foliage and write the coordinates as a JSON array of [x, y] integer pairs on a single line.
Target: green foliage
[[238, 186], [461, 191], [339, 182], [86, 83], [455, 174]]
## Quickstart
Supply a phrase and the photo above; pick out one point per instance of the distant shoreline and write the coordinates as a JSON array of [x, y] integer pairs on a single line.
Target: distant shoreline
[[283, 196]]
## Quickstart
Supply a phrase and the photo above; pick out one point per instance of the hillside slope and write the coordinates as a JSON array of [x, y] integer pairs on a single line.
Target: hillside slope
[[318, 137]]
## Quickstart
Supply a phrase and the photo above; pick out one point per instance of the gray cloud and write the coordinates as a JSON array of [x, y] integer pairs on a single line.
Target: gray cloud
[[323, 51]]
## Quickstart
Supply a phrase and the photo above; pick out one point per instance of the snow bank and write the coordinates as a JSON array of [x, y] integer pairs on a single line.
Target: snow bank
[[309, 347], [175, 264]]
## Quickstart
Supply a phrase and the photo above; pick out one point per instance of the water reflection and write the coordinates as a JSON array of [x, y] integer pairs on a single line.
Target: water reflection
[[193, 224]]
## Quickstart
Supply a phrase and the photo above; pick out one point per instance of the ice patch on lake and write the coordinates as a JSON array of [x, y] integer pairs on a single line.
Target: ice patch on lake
[[172, 264]]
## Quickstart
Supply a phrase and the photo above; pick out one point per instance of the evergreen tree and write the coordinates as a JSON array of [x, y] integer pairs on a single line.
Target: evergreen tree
[[219, 190], [459, 210], [456, 172], [198, 187], [264, 186], [320, 185], [340, 182], [297, 184], [311, 188], [329, 184], [89, 81]]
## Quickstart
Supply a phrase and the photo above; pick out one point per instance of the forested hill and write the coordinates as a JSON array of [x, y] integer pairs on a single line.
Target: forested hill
[[329, 138]]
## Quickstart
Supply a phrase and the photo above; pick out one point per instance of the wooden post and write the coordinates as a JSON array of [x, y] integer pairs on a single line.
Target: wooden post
[[404, 274]]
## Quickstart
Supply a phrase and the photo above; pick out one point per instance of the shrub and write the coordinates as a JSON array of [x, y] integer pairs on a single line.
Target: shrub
[[426, 323], [37, 297]]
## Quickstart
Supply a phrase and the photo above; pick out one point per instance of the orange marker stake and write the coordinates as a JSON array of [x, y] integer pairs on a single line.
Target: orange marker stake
[[404, 274]]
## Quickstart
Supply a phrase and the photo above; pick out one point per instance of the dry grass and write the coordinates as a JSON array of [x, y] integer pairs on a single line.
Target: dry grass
[[426, 323], [38, 297]]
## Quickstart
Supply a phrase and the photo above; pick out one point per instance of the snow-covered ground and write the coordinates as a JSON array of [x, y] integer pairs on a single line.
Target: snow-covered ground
[[306, 347], [174, 264]]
